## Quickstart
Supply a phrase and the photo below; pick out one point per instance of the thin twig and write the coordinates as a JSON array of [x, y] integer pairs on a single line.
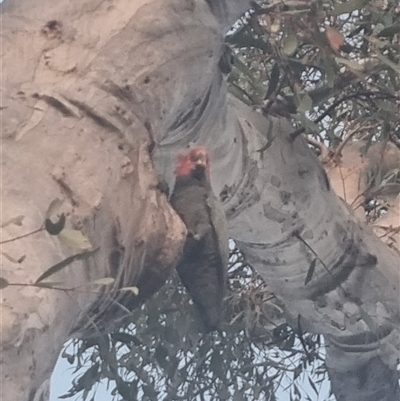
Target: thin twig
[[322, 148], [344, 186], [22, 236], [340, 147], [72, 289], [336, 103], [276, 92], [298, 236], [301, 338]]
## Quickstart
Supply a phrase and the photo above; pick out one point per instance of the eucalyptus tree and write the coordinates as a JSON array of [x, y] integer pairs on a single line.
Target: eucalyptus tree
[[99, 97]]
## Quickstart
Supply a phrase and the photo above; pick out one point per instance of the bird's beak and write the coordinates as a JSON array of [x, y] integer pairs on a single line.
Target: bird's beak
[[201, 160]]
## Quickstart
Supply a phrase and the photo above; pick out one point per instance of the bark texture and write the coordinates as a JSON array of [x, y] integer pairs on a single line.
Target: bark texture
[[95, 92]]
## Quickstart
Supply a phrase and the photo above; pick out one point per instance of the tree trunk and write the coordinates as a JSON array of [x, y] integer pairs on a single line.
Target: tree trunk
[[94, 92]]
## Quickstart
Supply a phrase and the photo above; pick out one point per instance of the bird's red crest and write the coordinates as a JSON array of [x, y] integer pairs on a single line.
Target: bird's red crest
[[195, 157], [184, 166]]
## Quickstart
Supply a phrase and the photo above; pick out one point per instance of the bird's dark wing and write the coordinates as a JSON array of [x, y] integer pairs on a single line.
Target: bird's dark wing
[[203, 265]]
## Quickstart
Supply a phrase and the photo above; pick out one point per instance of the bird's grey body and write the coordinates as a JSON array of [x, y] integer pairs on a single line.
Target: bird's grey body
[[204, 261]]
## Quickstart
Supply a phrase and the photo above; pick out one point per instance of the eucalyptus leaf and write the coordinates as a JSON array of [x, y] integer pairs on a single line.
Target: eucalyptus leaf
[[389, 31], [74, 239], [305, 104], [348, 6], [48, 284], [389, 62], [103, 281], [367, 319], [11, 259], [290, 44], [64, 263], [310, 272], [274, 80], [134, 290], [349, 63]]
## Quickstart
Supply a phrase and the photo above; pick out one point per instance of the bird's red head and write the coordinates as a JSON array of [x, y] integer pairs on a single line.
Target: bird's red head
[[196, 159]]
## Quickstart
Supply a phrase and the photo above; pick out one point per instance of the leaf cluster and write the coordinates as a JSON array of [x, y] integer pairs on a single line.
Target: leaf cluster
[[164, 354], [331, 66]]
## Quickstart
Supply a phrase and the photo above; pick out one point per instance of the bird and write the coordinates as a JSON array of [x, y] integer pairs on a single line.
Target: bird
[[202, 267]]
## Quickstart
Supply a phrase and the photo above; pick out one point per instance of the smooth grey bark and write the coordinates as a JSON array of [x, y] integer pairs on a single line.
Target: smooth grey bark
[[93, 92], [370, 380]]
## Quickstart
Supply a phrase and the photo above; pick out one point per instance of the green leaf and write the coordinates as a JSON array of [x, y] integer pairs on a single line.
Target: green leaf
[[314, 387], [367, 319], [238, 396], [240, 94], [51, 284], [329, 66], [388, 62], [297, 371], [290, 44], [310, 126], [3, 283], [376, 42], [243, 39], [125, 338], [349, 63], [13, 260], [103, 281], [161, 356], [69, 357], [64, 263], [89, 378], [134, 290], [274, 80], [390, 31], [66, 395], [242, 67], [349, 6], [305, 103], [217, 364], [310, 272], [295, 12], [150, 391], [74, 239]]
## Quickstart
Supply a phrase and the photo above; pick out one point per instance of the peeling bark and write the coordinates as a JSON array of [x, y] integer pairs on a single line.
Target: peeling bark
[[94, 93]]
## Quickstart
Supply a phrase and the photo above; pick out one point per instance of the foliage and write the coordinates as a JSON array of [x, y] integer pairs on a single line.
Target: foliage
[[163, 354], [332, 66]]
